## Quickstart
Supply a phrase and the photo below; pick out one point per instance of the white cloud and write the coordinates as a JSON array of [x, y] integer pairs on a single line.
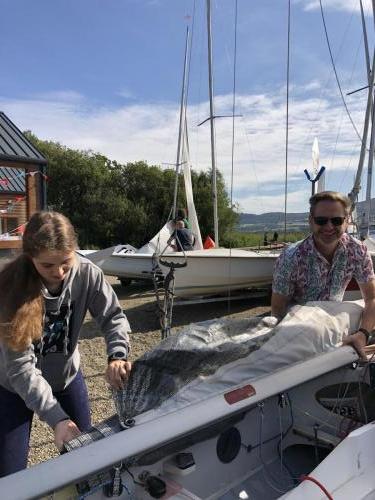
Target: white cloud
[[149, 132], [63, 96], [344, 5], [126, 93]]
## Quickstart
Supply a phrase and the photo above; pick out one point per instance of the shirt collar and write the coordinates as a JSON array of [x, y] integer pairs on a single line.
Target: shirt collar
[[339, 249]]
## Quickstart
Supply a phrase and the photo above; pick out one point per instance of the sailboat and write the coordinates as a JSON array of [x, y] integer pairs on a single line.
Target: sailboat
[[228, 410], [127, 262], [201, 271], [216, 270]]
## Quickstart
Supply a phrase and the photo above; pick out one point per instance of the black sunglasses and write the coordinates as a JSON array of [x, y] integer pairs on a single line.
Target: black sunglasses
[[322, 221]]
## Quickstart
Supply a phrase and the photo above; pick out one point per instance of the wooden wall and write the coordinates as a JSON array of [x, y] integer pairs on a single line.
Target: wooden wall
[[20, 209]]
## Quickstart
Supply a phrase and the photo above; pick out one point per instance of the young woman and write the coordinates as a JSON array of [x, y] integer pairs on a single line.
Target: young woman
[[44, 296]]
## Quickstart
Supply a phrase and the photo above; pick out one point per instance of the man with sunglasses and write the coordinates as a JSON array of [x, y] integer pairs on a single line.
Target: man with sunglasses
[[321, 266]]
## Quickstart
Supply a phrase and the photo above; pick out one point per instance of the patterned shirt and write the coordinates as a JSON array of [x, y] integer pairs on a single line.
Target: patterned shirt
[[303, 274]]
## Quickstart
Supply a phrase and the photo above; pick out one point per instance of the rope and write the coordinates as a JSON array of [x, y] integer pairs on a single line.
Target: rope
[[335, 71], [315, 481]]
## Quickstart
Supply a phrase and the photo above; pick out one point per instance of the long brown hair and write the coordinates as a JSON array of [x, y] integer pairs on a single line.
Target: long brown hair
[[21, 300]]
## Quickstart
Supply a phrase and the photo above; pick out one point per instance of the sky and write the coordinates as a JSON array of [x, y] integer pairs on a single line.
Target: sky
[[105, 75]]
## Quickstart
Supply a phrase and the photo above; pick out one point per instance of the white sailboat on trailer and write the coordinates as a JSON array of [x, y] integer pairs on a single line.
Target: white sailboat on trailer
[[202, 271], [127, 262], [216, 270]]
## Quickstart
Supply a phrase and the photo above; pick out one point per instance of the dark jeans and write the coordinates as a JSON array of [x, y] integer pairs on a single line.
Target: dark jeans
[[16, 418]]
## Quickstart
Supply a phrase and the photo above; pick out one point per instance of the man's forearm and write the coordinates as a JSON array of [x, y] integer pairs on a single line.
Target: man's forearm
[[279, 305]]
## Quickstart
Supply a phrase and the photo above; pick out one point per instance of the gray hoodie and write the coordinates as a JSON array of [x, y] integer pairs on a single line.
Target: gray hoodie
[[51, 364]]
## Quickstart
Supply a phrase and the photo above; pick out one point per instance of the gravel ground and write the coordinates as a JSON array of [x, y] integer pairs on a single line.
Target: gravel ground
[[139, 304]]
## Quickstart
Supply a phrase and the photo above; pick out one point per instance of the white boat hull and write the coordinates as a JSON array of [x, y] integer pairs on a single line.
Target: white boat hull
[[207, 272], [123, 262], [220, 270]]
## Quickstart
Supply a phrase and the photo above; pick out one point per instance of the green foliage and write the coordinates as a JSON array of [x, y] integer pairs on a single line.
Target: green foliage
[[110, 203], [86, 187]]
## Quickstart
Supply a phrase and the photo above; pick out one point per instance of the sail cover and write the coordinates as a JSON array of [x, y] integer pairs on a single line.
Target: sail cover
[[209, 357]]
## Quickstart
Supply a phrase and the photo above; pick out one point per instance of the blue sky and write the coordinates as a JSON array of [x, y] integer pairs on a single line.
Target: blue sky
[[106, 75]]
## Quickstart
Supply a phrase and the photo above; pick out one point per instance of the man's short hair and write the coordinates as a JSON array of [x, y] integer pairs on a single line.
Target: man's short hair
[[330, 196], [179, 224]]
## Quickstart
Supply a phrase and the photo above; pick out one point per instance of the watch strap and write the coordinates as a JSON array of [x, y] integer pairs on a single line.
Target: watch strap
[[366, 333], [117, 356]]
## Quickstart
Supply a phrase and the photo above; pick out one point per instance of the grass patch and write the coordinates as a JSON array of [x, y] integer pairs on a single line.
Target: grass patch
[[240, 239]]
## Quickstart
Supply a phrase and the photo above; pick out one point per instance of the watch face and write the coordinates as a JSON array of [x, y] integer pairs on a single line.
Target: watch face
[[118, 355]]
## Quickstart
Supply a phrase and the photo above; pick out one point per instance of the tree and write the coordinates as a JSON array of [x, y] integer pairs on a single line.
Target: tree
[[110, 203], [86, 187]]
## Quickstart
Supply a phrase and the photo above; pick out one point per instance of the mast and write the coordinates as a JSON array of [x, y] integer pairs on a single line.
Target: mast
[[369, 175], [181, 124], [365, 219], [287, 127], [357, 183], [370, 73], [212, 123]]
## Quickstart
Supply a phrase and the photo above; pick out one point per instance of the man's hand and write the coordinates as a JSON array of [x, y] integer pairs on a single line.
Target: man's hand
[[64, 432], [357, 340], [118, 373]]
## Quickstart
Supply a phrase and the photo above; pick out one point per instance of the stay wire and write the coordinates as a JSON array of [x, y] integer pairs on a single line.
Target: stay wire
[[287, 126], [335, 72], [233, 138]]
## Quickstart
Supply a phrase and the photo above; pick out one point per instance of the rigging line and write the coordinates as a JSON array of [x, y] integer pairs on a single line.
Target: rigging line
[[234, 97], [189, 61], [336, 142], [314, 121], [344, 176], [225, 41], [287, 125], [341, 118], [233, 136], [198, 106], [335, 71], [323, 89], [252, 162]]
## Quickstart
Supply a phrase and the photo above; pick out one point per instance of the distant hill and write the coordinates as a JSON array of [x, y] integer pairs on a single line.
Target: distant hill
[[274, 221]]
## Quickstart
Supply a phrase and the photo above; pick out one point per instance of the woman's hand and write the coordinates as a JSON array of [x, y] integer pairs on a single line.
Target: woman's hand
[[64, 432], [118, 373]]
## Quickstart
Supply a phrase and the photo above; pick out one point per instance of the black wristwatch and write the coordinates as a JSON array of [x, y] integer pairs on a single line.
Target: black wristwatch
[[117, 355], [366, 333]]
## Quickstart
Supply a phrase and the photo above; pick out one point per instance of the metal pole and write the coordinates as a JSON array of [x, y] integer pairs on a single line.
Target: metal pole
[[287, 126], [370, 74], [369, 175], [181, 126], [370, 78], [212, 124]]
